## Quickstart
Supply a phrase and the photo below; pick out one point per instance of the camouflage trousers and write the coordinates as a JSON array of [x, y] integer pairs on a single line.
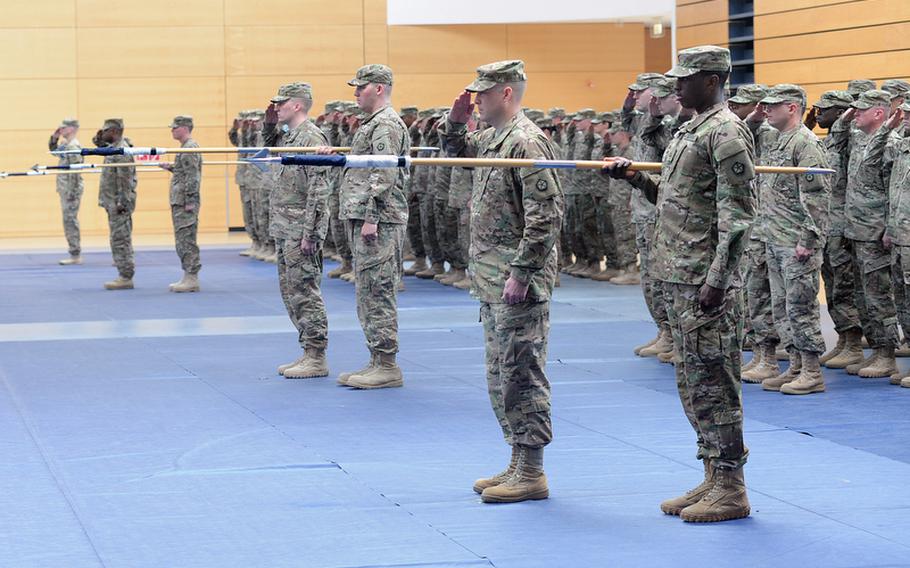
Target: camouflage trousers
[[249, 220], [464, 232], [377, 271], [69, 205], [414, 230], [581, 224], [428, 227], [447, 233], [515, 340], [873, 294], [121, 229], [837, 275], [760, 325], [653, 292], [186, 225], [794, 298], [708, 376], [900, 274], [604, 213], [299, 276], [337, 226], [623, 231], [261, 204]]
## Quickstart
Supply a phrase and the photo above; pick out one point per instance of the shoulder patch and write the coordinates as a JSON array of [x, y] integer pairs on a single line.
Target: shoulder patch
[[542, 185], [738, 168], [810, 178], [380, 146]]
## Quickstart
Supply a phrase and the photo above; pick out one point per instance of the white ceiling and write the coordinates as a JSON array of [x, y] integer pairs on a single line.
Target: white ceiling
[[430, 12]]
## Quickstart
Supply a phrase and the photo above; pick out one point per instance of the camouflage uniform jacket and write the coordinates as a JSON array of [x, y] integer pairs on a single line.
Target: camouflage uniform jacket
[[298, 206], [186, 177], [117, 188], [67, 183]]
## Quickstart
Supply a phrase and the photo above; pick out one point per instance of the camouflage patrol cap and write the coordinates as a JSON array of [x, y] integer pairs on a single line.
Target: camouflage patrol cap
[[535, 114], [408, 110], [663, 87], [645, 81], [785, 93], [556, 112], [332, 106], [293, 91], [839, 99], [905, 106], [617, 127], [608, 117], [896, 87], [257, 114], [857, 87], [873, 98], [584, 114], [544, 123], [425, 113], [113, 123], [69, 122], [702, 58], [748, 94], [182, 120], [492, 74], [372, 73], [438, 112]]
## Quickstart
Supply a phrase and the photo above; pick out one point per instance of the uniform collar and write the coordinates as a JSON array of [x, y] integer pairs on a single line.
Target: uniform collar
[[701, 117], [500, 135]]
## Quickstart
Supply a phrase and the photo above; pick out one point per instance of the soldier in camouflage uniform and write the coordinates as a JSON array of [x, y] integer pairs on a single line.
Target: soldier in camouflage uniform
[[420, 213], [414, 241], [584, 215], [620, 208], [515, 221], [460, 189], [299, 224], [336, 136], [866, 214], [69, 186], [375, 207], [705, 208], [237, 136], [117, 195], [794, 217], [600, 191], [184, 196], [261, 183], [857, 87]]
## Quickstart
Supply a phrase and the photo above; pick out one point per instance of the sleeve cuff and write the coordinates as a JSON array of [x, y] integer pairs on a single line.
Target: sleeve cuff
[[717, 280], [523, 275]]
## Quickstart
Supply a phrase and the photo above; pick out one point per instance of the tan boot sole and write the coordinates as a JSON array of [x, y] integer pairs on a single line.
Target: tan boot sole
[[538, 495], [731, 516], [353, 383], [309, 375], [868, 373], [787, 389]]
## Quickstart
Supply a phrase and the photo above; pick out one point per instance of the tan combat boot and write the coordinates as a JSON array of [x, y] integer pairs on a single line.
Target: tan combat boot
[[899, 376], [756, 359], [256, 251], [419, 265], [348, 277], [726, 501], [313, 365], [903, 350], [668, 357], [500, 477], [457, 275], [855, 368], [663, 344], [851, 353], [790, 375], [590, 269], [841, 342], [606, 274], [189, 283], [884, 365], [384, 375], [286, 366], [528, 482], [767, 367], [270, 254], [905, 382], [638, 349], [247, 252], [576, 265], [342, 269], [72, 260], [343, 377], [431, 271], [628, 277], [119, 283], [675, 505], [464, 283], [810, 378]]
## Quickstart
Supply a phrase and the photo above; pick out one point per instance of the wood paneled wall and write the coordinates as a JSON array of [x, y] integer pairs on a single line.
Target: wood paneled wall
[[95, 59], [700, 22]]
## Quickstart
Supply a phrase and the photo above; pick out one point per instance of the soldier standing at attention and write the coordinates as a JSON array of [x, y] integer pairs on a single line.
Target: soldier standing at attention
[[704, 215], [117, 195], [516, 215], [69, 187]]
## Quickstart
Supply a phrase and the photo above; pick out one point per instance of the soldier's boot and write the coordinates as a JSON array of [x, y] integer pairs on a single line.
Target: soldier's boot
[[384, 375], [884, 365], [668, 357], [457, 276], [675, 505], [576, 265], [314, 364], [286, 366], [464, 283], [905, 382], [348, 277], [903, 350], [899, 376], [606, 274], [500, 477], [431, 271], [841, 343], [638, 349], [342, 269], [810, 378], [270, 254], [726, 501], [851, 353], [790, 375], [419, 265], [627, 278], [343, 377], [256, 251], [591, 269], [781, 354], [557, 284], [767, 367], [445, 275], [119, 283], [663, 344], [748, 345], [756, 359], [528, 482], [855, 368], [72, 260], [189, 283], [247, 252], [401, 285]]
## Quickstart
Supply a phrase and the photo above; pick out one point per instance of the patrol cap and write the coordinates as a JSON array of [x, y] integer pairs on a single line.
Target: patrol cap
[[257, 114], [905, 106], [293, 91], [785, 93], [425, 113], [603, 117], [535, 114], [871, 99], [584, 114], [556, 112], [702, 58], [663, 87], [113, 123], [69, 122], [830, 99], [858, 86], [617, 127], [897, 87], [492, 74], [372, 73], [438, 112], [332, 106], [645, 81], [182, 120], [748, 94], [408, 110]]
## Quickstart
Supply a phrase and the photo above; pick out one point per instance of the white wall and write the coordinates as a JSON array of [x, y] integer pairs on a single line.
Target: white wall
[[429, 12]]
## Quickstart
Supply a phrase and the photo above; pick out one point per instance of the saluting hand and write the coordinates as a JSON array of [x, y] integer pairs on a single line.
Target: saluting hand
[[848, 115], [895, 119], [461, 108], [811, 118]]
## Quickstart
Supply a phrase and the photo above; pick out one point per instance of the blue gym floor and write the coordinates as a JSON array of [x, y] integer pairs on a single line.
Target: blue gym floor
[[149, 429]]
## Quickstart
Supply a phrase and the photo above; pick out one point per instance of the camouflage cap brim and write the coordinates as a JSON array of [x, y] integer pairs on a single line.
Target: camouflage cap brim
[[480, 85], [679, 71], [740, 100], [662, 93], [355, 82], [278, 99], [861, 104], [637, 87]]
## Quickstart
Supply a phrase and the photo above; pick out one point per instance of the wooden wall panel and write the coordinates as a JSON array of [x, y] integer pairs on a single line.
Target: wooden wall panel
[[824, 17], [429, 49], [712, 34], [295, 12], [188, 51], [132, 13], [276, 50], [701, 13], [47, 63], [152, 102], [28, 103], [39, 14], [581, 47]]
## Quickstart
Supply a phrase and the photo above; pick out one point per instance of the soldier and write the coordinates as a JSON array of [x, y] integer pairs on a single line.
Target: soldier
[[69, 186], [299, 224], [341, 137], [446, 220], [420, 214], [410, 116], [837, 262], [795, 218], [435, 250], [117, 195], [375, 207], [261, 183], [237, 136], [620, 210], [866, 213], [856, 87], [583, 211], [460, 200], [186, 178], [600, 191], [705, 210], [898, 89], [515, 220]]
